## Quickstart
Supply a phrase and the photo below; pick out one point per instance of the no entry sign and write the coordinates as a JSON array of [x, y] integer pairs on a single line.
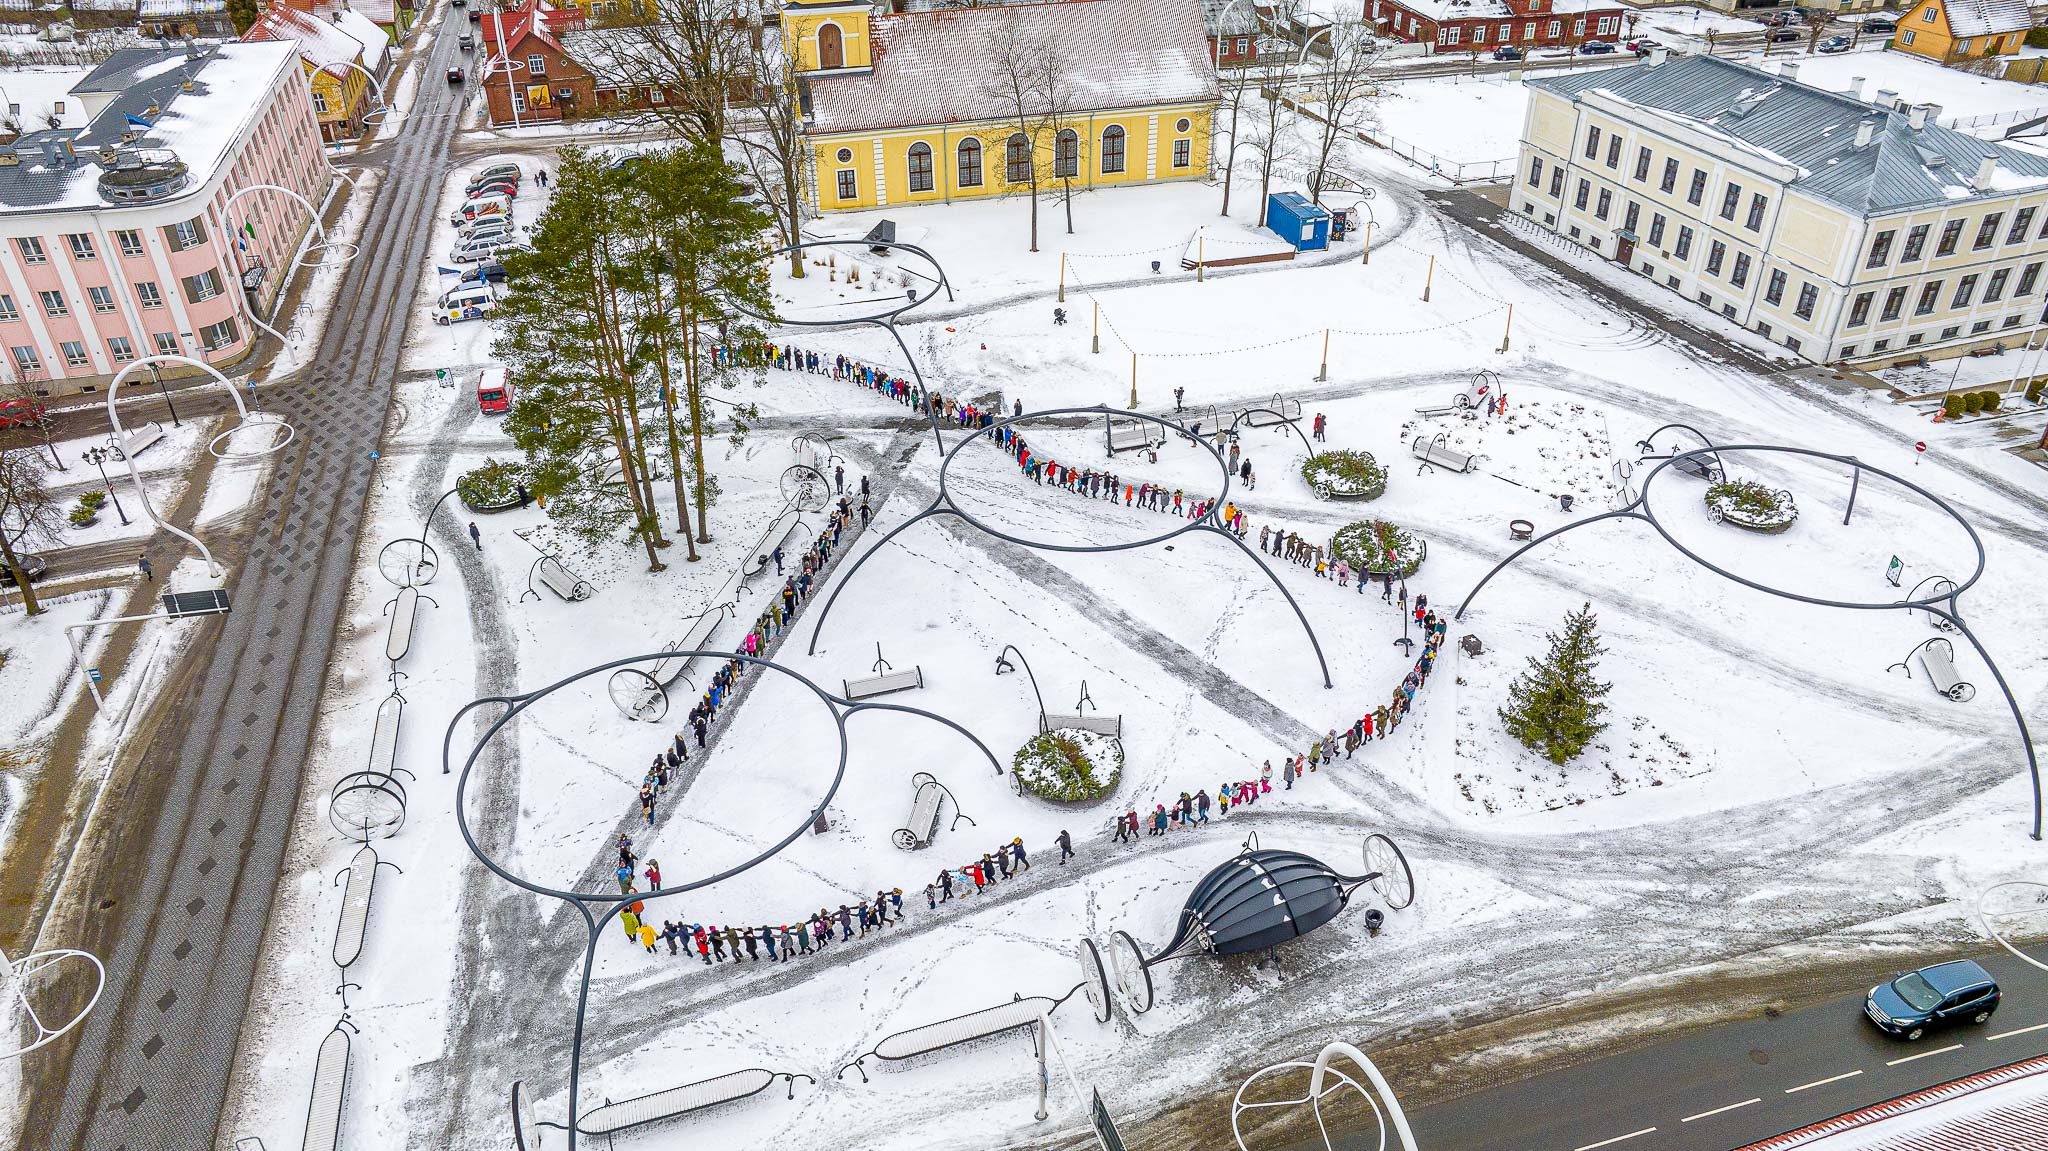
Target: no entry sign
[[1919, 445]]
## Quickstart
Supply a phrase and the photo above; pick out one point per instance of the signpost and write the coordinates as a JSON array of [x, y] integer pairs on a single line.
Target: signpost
[[1892, 573]]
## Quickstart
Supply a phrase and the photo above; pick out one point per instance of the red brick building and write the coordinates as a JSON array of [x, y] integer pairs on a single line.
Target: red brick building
[[1462, 25], [557, 71]]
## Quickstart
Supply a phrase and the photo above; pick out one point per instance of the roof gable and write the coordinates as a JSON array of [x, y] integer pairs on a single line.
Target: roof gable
[[1986, 17]]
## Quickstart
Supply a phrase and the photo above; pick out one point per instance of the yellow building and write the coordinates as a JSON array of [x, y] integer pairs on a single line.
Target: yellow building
[[334, 55], [904, 109], [1950, 30]]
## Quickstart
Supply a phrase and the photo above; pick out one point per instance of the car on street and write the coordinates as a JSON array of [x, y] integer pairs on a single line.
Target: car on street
[[1881, 26], [1782, 35], [1595, 48], [1918, 1001], [1507, 52], [21, 413], [36, 566], [1777, 20], [506, 188], [1836, 44], [466, 42], [455, 75], [486, 272], [493, 391], [1642, 44], [496, 230], [480, 248]]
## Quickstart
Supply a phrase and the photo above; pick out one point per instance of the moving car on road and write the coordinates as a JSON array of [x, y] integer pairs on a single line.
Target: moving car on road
[[1782, 35], [493, 391], [1909, 1006], [455, 75], [1595, 48], [36, 566], [1835, 44], [1507, 52], [1881, 26], [21, 413]]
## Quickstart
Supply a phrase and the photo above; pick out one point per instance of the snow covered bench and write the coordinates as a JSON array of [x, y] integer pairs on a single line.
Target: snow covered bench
[[1109, 725], [403, 610], [960, 1029], [384, 740], [927, 795], [1277, 411], [134, 441], [561, 580], [1434, 451], [675, 1101], [1134, 435], [778, 533], [330, 1090], [1938, 659], [883, 683]]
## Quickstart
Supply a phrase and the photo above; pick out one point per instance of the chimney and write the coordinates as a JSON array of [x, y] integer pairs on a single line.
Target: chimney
[[53, 156], [1987, 168], [1886, 98], [1866, 130], [1916, 118], [1856, 87], [1789, 70], [1659, 55], [1933, 114]]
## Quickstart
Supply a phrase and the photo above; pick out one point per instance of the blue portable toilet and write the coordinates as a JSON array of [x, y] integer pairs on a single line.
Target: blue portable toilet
[[1294, 219]]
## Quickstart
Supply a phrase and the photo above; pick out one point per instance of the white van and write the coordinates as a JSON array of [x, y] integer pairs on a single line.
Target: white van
[[468, 302], [499, 205]]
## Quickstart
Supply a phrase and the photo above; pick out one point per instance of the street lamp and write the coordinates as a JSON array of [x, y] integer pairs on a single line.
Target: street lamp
[[97, 457], [158, 377]]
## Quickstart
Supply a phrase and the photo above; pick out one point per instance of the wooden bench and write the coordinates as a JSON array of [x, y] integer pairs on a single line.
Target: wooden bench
[[883, 683], [1135, 435], [1279, 411], [960, 1029], [134, 441], [330, 1090], [1938, 659], [674, 1101], [1520, 529], [1109, 725], [1434, 452], [927, 796], [561, 580]]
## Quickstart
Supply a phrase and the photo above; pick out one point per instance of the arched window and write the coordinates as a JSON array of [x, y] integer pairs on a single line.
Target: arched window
[[970, 163], [1112, 149], [831, 47], [920, 168], [1066, 154], [1017, 159]]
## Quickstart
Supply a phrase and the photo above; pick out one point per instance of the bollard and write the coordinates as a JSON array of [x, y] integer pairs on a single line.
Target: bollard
[[1134, 380], [1063, 278], [1096, 335], [1428, 278], [1323, 372], [1505, 328]]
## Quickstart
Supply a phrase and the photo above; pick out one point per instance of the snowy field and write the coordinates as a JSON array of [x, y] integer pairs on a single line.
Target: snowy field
[[1764, 782]]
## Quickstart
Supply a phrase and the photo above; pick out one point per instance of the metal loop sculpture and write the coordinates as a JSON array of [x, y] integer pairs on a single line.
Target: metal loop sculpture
[[1386, 1108], [15, 975]]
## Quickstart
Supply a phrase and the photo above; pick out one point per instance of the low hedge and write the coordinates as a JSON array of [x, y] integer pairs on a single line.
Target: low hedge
[[2034, 390], [1952, 407], [495, 486], [1345, 476], [1989, 401], [1973, 402], [1068, 765], [1364, 545]]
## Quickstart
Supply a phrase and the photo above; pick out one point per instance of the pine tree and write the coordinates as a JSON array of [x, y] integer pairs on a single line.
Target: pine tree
[[1554, 707]]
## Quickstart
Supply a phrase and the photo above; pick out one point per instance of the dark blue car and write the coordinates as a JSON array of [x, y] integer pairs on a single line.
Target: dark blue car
[[1931, 997]]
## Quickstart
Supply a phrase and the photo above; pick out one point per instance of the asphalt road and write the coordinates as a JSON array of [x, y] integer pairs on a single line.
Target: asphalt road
[[1732, 1085], [195, 827]]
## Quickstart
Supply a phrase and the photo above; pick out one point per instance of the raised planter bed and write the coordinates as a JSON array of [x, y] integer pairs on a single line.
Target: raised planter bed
[[1751, 506], [1364, 545], [1067, 765], [1345, 476], [496, 486]]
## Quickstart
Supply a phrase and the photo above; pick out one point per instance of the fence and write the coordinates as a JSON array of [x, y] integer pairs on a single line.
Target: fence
[[2024, 69], [1967, 123], [1456, 171]]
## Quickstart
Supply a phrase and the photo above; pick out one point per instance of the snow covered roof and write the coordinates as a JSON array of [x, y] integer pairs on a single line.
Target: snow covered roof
[[322, 43], [1243, 19], [1814, 130], [1996, 1111], [931, 67], [166, 9], [365, 31], [1988, 17], [383, 12], [37, 92]]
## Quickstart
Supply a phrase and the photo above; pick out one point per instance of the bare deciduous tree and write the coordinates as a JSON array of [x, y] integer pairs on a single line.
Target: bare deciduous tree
[[1271, 135], [770, 135], [694, 52], [1028, 81], [28, 516], [1343, 90]]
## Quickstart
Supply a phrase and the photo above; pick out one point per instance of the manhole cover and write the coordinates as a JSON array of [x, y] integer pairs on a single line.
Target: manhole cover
[[1759, 1057]]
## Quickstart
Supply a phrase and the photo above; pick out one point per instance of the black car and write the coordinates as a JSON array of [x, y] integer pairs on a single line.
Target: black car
[[36, 566], [487, 272], [1507, 52], [455, 75], [1881, 26], [1782, 35], [1595, 48]]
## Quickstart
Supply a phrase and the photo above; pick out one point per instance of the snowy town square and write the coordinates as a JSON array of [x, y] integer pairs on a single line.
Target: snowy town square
[[1069, 575]]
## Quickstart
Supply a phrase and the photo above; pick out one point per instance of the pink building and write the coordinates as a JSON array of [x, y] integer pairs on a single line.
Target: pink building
[[117, 240]]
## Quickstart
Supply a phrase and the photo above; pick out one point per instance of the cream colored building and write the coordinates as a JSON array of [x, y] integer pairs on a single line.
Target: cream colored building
[[1839, 228]]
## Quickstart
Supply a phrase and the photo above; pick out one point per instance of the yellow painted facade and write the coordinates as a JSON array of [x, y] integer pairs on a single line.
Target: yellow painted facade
[[828, 37], [1924, 31], [337, 95]]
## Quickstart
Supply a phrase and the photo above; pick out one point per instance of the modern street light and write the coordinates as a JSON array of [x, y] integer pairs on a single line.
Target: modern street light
[[97, 457], [158, 377]]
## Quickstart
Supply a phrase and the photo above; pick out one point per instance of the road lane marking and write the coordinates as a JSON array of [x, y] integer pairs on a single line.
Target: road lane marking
[[2018, 1031], [1823, 1082], [1718, 1110], [1616, 1139], [1923, 1054]]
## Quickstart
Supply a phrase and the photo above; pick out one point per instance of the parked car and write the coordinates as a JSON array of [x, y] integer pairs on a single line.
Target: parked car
[[455, 75], [1945, 993], [493, 391], [485, 272], [21, 413], [36, 566], [481, 206], [1595, 48], [473, 302], [1881, 26], [1777, 20], [495, 236], [1641, 44], [481, 248], [505, 188], [1782, 35], [492, 173], [1835, 44], [1507, 52]]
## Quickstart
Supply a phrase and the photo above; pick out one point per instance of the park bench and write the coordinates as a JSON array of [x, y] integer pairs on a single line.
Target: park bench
[[927, 795], [1938, 659], [330, 1089], [1279, 410], [1436, 452], [612, 1118], [403, 610], [960, 1029], [1134, 435], [643, 695], [559, 579], [135, 440], [384, 740], [1699, 467], [361, 873], [883, 681], [778, 533], [1109, 725]]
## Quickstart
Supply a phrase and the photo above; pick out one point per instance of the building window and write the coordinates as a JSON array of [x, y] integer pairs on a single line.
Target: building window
[[970, 163], [1642, 163], [1536, 171], [1848, 351], [1585, 190], [1774, 288], [1684, 247], [1600, 206], [1906, 36], [1715, 254], [1066, 154], [1017, 159], [1995, 290], [1614, 150], [1933, 11], [1951, 235], [130, 241], [26, 361], [1592, 143], [102, 298], [319, 102], [1966, 290], [8, 312], [1557, 181], [1112, 149], [1479, 34], [1656, 229], [122, 348], [2028, 275], [1980, 327], [1880, 249], [1575, 231], [1183, 153], [2010, 322], [1929, 296], [1755, 222], [2021, 221], [1859, 310], [1916, 243], [1894, 303], [849, 187], [1629, 217], [1182, 124], [1670, 179], [1740, 275], [1698, 191], [537, 66], [145, 290], [920, 168], [74, 354], [1579, 26], [519, 99], [218, 336], [1448, 36], [1950, 332], [166, 343], [31, 250], [81, 246], [53, 304], [189, 234], [202, 287], [1880, 346], [1987, 232], [1730, 197], [1808, 297], [1763, 329]]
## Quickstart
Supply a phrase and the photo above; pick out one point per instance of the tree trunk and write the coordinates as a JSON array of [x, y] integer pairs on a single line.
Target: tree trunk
[[21, 584], [697, 444], [1230, 157], [1067, 194], [675, 450]]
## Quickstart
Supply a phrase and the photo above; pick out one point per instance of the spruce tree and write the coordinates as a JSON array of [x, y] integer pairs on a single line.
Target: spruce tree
[[1554, 707]]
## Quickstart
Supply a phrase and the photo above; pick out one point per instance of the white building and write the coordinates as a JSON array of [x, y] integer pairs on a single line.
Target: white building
[[1841, 228]]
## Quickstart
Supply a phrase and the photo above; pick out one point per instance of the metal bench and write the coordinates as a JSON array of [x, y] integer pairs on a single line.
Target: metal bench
[[1109, 725], [330, 1089], [884, 681], [643, 695], [1938, 659], [1279, 410], [134, 441], [926, 797], [558, 579], [355, 910], [779, 530], [960, 1029], [384, 740], [1436, 452], [403, 610], [1131, 435], [613, 1118]]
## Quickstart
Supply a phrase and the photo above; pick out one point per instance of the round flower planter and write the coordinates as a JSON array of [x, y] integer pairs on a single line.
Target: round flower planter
[[1751, 506], [1344, 476], [494, 487], [1068, 766], [1364, 545]]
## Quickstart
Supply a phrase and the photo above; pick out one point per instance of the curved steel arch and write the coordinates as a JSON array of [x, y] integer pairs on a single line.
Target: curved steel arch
[[384, 104], [942, 505], [1639, 509], [599, 908], [311, 213], [1293, 425]]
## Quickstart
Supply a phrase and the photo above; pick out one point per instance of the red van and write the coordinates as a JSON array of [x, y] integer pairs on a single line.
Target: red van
[[493, 392]]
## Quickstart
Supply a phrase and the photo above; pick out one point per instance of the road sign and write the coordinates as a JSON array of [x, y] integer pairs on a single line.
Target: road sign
[[93, 674], [440, 373], [1919, 445], [1892, 573], [1105, 1127], [178, 604]]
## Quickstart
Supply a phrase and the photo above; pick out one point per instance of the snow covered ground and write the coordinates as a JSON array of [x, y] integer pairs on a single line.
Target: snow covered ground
[[1765, 781]]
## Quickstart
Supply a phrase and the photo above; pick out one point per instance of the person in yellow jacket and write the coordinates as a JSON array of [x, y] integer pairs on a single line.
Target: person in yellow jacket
[[632, 924], [647, 937]]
